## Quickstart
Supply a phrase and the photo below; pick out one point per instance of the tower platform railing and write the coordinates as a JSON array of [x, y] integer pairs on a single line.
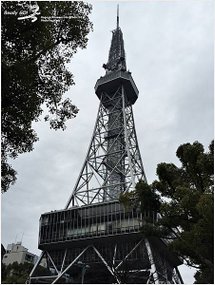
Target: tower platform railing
[[87, 222], [112, 80]]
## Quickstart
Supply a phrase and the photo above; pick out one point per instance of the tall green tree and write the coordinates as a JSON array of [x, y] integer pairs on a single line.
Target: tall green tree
[[183, 197], [189, 210], [35, 57]]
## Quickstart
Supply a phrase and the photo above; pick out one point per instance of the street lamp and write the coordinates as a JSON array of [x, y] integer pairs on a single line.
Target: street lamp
[[84, 268]]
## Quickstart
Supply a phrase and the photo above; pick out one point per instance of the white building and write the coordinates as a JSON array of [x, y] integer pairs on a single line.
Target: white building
[[18, 253]]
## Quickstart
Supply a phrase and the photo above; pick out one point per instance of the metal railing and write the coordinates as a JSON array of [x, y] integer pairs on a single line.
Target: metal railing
[[91, 221]]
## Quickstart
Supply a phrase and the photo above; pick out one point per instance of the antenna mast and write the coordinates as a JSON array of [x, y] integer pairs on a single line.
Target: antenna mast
[[117, 16]]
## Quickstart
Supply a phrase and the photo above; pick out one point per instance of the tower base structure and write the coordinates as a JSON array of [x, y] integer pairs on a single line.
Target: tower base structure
[[103, 245]]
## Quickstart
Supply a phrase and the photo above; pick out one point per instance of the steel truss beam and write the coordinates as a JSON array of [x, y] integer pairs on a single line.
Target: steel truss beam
[[114, 268], [113, 163], [112, 166]]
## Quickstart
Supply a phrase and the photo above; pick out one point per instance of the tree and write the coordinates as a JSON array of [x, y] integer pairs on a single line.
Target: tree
[[35, 55], [183, 196], [18, 273], [188, 212]]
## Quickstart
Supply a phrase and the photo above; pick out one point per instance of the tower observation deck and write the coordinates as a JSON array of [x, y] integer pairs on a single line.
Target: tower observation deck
[[96, 239]]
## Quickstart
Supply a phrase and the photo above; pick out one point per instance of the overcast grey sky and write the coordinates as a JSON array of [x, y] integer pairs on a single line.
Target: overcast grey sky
[[169, 50]]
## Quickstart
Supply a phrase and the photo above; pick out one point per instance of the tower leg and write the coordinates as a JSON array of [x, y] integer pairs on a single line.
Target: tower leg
[[106, 264], [153, 273], [68, 267], [35, 266]]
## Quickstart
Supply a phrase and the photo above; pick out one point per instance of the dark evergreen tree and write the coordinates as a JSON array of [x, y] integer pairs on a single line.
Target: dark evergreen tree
[[188, 212], [183, 197], [35, 55]]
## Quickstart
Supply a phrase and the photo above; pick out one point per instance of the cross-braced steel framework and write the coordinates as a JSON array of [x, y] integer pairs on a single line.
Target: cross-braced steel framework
[[113, 163], [110, 262], [96, 239], [98, 231]]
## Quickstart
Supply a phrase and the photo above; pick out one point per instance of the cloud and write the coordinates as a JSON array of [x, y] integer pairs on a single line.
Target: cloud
[[169, 49]]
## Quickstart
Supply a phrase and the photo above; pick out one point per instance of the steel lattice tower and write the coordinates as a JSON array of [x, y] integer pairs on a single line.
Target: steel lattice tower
[[95, 239]]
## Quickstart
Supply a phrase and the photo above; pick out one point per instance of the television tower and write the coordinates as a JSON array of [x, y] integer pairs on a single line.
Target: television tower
[[96, 239]]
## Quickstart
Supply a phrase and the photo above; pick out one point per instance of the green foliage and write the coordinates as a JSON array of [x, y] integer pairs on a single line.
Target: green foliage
[[34, 72], [150, 201], [145, 198], [128, 199], [16, 273], [150, 229], [188, 211], [144, 193], [183, 196]]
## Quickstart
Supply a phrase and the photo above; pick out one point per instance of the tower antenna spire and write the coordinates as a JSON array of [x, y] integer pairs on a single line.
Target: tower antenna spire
[[117, 16]]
